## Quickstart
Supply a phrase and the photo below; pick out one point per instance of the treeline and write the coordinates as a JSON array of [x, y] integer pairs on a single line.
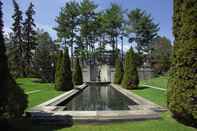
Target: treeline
[[31, 51], [22, 41], [90, 32]]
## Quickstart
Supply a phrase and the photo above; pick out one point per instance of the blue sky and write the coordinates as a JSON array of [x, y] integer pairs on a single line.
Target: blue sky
[[47, 10]]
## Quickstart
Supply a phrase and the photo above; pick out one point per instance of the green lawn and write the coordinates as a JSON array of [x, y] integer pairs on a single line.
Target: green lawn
[[157, 96], [46, 91], [160, 82], [166, 123]]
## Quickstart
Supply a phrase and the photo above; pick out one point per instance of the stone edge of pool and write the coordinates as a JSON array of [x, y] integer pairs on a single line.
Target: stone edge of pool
[[143, 111]]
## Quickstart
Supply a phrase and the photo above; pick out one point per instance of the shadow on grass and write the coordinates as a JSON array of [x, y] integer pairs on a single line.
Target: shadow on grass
[[50, 122], [47, 128], [20, 84], [141, 88]]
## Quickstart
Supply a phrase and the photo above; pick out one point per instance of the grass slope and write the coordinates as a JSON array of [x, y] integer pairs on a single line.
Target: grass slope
[[46, 90]]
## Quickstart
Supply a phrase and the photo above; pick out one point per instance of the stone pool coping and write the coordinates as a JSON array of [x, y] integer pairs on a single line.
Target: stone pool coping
[[143, 111]]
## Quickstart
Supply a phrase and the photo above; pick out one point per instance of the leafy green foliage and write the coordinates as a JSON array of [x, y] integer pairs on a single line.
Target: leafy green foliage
[[182, 91], [63, 76], [118, 71], [13, 101], [161, 55], [77, 76], [130, 78], [45, 57]]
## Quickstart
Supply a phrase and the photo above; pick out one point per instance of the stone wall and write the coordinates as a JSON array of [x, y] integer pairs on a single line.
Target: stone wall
[[107, 73]]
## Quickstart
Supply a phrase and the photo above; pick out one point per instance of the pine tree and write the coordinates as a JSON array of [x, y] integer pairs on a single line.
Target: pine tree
[[17, 50], [63, 72], [68, 21], [182, 91], [118, 71], [13, 101], [130, 78], [29, 37], [145, 30], [77, 76]]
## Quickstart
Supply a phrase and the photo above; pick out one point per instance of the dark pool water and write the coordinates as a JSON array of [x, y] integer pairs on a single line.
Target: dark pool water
[[99, 98]]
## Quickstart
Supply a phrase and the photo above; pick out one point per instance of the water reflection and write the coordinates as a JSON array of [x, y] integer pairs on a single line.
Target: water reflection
[[99, 98]]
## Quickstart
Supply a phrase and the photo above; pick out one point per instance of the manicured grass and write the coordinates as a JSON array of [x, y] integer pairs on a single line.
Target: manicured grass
[[46, 90], [160, 82], [166, 123], [156, 96]]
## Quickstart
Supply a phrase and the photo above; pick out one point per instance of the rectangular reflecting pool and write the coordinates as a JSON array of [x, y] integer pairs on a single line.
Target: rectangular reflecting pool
[[95, 98]]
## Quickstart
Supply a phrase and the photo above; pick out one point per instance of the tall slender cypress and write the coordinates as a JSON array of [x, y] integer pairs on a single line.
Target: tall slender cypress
[[77, 76], [118, 71], [182, 89], [13, 101], [63, 72], [130, 78]]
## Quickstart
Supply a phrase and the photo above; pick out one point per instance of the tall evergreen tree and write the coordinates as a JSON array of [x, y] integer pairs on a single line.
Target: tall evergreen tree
[[182, 91], [118, 71], [130, 78], [88, 28], [112, 24], [143, 31], [12, 99], [143, 28], [77, 75], [58, 71], [29, 37], [44, 58], [64, 73], [67, 28], [17, 50]]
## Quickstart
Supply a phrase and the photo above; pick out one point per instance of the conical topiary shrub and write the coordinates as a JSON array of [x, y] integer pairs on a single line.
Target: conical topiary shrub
[[77, 76], [130, 78]]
